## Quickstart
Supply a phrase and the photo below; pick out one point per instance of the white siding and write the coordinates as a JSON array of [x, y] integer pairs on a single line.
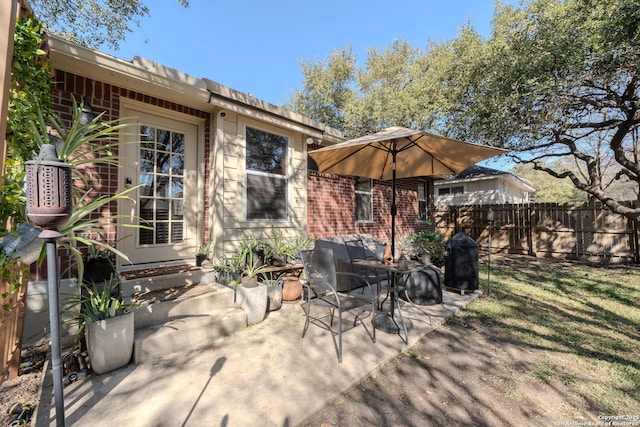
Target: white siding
[[492, 190], [229, 214]]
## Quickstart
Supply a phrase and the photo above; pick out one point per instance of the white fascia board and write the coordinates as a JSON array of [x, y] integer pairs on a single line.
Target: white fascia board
[[517, 181], [465, 180], [138, 75], [226, 98], [153, 79], [522, 184]]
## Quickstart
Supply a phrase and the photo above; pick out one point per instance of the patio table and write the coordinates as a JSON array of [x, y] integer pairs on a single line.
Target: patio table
[[387, 321]]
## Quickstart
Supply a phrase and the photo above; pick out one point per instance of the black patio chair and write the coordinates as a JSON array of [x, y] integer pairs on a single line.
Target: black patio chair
[[357, 252], [320, 290]]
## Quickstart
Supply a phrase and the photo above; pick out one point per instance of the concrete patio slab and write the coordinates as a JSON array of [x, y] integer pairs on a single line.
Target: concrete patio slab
[[266, 375]]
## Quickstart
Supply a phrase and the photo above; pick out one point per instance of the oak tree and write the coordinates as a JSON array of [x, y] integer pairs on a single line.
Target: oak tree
[[92, 23], [556, 82]]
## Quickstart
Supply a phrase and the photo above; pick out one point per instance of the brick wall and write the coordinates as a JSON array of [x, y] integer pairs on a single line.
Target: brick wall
[[105, 98], [331, 198], [331, 207]]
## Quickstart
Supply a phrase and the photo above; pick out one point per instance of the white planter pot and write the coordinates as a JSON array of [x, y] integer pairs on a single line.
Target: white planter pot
[[274, 296], [110, 343], [253, 301]]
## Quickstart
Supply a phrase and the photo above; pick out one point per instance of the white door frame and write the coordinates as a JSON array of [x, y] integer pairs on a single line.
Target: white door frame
[[133, 112]]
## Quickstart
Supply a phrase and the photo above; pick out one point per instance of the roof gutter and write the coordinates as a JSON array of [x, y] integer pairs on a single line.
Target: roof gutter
[[139, 75], [226, 98], [153, 79], [507, 175]]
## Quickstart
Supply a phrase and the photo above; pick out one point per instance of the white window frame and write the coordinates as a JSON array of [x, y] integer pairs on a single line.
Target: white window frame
[[450, 192], [368, 193], [423, 183], [286, 177]]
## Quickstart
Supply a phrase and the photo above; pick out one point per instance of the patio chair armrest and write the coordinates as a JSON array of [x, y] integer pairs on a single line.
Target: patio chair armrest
[[358, 278]]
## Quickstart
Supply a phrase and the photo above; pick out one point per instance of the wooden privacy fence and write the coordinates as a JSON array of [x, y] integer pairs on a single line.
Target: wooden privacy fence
[[13, 290], [589, 232]]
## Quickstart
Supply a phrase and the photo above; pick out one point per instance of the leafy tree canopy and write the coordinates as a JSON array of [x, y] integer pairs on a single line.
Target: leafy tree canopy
[[328, 88], [557, 82], [550, 189], [30, 88], [92, 23]]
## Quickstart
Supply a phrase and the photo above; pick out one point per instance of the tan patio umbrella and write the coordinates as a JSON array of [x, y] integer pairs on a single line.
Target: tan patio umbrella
[[398, 152]]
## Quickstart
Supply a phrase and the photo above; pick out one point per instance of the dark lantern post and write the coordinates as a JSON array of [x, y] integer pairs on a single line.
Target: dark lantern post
[[49, 207]]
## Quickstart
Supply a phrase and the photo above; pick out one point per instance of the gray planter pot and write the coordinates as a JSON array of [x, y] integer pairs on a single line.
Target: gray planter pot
[[425, 259], [274, 297], [225, 278], [110, 343], [253, 301]]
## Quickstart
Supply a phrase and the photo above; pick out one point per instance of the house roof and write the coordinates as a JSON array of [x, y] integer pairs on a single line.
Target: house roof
[[479, 173], [476, 171], [151, 78]]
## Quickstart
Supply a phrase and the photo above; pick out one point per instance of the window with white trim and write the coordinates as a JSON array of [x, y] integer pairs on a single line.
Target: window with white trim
[[267, 180], [451, 190], [364, 199], [423, 207]]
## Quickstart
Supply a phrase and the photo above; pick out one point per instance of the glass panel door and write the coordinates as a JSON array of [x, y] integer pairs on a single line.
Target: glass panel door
[[160, 157], [161, 174]]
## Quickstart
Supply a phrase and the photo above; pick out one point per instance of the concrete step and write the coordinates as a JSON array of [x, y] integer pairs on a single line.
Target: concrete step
[[186, 333], [158, 307], [154, 283], [178, 312]]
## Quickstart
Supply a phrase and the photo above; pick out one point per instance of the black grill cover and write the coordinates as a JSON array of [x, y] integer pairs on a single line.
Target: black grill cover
[[461, 263], [423, 287]]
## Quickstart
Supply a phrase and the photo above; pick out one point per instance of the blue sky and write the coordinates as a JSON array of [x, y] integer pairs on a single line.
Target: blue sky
[[255, 46]]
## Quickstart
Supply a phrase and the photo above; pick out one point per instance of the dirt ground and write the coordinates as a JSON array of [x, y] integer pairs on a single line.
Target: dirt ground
[[25, 388], [458, 375]]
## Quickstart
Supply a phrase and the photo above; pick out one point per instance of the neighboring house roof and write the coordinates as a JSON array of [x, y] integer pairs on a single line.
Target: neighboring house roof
[[148, 77], [483, 185], [477, 173]]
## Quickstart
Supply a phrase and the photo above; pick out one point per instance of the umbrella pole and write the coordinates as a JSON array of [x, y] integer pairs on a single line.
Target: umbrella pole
[[393, 204], [387, 321]]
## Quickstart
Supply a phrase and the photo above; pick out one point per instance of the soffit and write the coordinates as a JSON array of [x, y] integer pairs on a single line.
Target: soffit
[[153, 79], [508, 176], [225, 97], [163, 82]]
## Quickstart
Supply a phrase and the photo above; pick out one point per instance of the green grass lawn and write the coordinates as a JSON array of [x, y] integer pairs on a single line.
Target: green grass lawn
[[582, 321]]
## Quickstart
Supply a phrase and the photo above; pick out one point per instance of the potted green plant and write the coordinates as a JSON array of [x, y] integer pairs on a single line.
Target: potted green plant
[[230, 270], [86, 146], [98, 265], [251, 297], [274, 292], [254, 247], [250, 271], [107, 324], [429, 245], [291, 284], [278, 250], [203, 253]]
